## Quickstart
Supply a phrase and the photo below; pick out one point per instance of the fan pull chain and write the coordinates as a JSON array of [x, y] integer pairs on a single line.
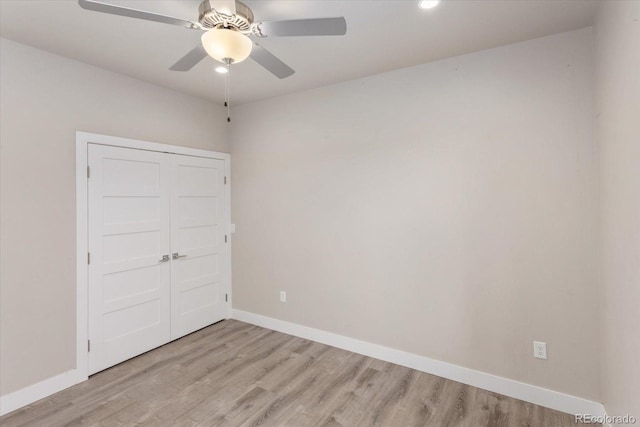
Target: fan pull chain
[[227, 102]]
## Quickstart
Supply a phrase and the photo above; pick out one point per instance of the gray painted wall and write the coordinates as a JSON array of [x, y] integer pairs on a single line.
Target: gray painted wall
[[448, 210], [618, 136]]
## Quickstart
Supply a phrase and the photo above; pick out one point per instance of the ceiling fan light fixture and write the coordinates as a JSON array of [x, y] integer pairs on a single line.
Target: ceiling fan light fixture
[[222, 70], [227, 45], [428, 4]]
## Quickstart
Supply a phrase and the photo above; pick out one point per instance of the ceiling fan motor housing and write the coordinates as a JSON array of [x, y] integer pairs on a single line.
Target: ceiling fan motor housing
[[211, 18]]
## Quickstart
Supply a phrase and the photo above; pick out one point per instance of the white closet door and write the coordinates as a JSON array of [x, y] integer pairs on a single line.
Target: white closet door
[[129, 232], [199, 269]]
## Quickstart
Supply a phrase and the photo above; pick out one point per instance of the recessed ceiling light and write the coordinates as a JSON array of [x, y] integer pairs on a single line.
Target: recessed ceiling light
[[429, 4], [222, 70]]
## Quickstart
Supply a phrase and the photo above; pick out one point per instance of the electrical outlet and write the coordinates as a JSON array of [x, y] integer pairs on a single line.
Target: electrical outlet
[[540, 350], [283, 296]]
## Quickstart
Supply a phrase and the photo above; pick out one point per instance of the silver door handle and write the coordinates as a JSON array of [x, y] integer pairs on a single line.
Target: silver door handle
[[175, 255], [165, 258]]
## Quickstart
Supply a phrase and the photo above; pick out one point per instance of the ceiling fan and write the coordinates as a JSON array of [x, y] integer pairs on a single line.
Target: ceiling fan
[[228, 26]]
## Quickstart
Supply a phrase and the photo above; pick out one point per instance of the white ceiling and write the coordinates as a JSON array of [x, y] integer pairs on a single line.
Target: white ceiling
[[381, 36]]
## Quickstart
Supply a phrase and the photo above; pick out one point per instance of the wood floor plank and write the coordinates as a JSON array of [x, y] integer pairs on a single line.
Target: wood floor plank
[[354, 403], [234, 374], [301, 388], [325, 397], [388, 397], [417, 410]]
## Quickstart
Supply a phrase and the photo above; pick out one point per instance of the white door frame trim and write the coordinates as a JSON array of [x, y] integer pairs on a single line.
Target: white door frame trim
[[83, 139]]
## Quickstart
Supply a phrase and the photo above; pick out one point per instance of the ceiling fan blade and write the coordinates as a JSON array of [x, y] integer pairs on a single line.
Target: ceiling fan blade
[[226, 7], [304, 27], [269, 61], [190, 60], [97, 6]]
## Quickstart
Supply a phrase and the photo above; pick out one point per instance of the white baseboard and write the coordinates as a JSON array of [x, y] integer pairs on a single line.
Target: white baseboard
[[516, 389], [16, 400]]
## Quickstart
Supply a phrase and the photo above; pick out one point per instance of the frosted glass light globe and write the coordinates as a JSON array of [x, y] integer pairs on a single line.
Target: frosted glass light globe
[[223, 44]]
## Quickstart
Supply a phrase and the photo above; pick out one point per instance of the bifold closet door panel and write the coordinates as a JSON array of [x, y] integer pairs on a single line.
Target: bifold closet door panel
[[129, 233], [198, 270]]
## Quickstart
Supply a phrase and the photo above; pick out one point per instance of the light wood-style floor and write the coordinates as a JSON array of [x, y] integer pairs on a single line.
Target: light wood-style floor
[[236, 374]]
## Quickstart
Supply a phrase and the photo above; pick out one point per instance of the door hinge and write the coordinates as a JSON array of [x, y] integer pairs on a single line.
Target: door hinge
[[226, 297], [88, 172], [225, 238], [88, 257], [225, 179], [88, 345]]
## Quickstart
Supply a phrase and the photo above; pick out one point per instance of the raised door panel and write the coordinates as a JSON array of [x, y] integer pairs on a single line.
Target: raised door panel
[[199, 270], [129, 232]]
